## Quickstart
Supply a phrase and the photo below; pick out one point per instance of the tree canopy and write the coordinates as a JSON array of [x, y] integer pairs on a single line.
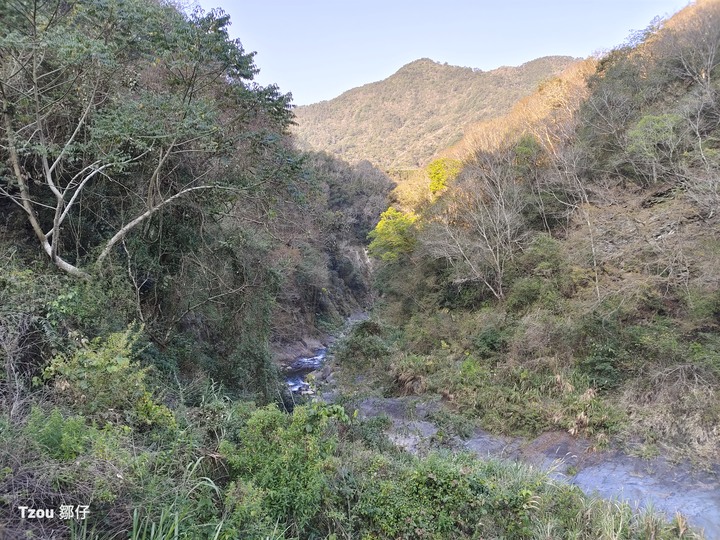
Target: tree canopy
[[129, 102]]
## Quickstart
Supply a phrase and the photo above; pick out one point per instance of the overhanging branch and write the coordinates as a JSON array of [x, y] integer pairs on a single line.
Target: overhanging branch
[[122, 233]]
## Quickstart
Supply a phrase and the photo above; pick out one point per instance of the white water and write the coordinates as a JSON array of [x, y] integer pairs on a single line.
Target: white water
[[296, 372]]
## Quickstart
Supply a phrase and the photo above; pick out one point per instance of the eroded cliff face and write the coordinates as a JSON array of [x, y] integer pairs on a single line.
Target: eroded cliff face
[[350, 293]]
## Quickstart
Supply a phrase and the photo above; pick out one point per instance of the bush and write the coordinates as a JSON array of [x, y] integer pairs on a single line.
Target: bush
[[285, 461], [371, 432], [94, 307], [703, 305], [425, 501], [102, 381], [363, 345], [426, 333], [61, 438], [525, 292], [492, 340], [545, 276], [409, 373], [602, 365]]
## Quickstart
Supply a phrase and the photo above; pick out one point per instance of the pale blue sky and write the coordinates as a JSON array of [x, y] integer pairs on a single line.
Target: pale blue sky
[[317, 49]]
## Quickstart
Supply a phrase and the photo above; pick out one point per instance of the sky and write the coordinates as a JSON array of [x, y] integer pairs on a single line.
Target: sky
[[317, 49]]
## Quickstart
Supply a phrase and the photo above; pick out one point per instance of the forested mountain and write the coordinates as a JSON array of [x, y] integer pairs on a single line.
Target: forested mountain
[[405, 119], [554, 269]]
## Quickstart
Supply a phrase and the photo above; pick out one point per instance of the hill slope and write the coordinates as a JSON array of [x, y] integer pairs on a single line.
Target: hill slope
[[566, 277], [403, 120]]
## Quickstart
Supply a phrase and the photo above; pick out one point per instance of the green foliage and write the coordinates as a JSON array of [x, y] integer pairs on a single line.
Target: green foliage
[[137, 102], [442, 171], [287, 459], [63, 439], [529, 154], [102, 380], [426, 501], [526, 292], [184, 73], [371, 432], [423, 334], [546, 276], [451, 424], [356, 195], [655, 144], [654, 137], [454, 497], [492, 340], [93, 307], [544, 256], [166, 528], [603, 365], [23, 289], [703, 305], [364, 345], [393, 236]]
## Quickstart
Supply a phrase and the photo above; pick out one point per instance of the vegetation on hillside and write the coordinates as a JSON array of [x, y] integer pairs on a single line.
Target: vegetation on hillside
[[159, 232], [567, 277], [403, 121]]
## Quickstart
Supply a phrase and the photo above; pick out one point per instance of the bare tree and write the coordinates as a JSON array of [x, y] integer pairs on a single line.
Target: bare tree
[[482, 227], [691, 41], [704, 190]]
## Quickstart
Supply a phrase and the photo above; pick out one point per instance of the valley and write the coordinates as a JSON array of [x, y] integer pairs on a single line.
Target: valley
[[449, 304]]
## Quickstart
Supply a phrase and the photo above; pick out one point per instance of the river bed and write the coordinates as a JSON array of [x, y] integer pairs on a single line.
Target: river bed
[[295, 374], [610, 474]]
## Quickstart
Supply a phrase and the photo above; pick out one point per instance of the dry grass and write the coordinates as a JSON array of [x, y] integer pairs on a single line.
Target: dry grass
[[679, 407]]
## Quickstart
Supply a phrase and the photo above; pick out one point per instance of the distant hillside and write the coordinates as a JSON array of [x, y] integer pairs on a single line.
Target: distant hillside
[[403, 120]]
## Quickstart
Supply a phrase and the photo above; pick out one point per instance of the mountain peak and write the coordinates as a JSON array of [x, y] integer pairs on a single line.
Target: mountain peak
[[402, 121]]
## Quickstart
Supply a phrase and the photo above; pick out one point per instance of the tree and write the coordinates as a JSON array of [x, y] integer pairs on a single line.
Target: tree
[[654, 143], [128, 102], [393, 236], [479, 227], [441, 171], [691, 44]]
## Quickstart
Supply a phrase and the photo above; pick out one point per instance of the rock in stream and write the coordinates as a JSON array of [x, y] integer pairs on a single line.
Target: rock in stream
[[300, 368]]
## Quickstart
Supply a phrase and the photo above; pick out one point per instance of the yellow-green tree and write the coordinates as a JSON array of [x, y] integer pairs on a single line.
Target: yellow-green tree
[[441, 171], [393, 235]]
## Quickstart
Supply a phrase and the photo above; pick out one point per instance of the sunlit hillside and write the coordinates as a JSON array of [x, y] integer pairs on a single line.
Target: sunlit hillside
[[565, 254], [402, 121]]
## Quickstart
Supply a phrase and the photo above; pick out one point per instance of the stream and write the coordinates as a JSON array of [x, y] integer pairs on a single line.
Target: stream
[[300, 368], [295, 373], [610, 474]]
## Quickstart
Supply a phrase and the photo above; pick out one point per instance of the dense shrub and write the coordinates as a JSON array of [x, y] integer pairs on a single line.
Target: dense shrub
[[287, 459], [363, 345], [63, 439], [102, 379]]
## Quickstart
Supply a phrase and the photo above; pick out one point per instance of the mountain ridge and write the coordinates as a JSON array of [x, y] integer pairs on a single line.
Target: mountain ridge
[[403, 120]]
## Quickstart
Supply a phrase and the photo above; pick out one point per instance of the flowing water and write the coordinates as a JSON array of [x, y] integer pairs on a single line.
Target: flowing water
[[296, 373]]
